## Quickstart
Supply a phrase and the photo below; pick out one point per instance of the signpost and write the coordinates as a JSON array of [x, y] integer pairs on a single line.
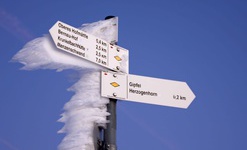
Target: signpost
[[146, 89], [89, 47], [119, 84]]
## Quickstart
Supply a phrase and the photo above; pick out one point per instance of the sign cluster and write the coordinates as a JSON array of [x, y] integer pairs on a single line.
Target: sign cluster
[[119, 84]]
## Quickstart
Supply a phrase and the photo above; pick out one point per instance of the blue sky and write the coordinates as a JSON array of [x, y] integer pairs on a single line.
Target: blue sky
[[200, 42]]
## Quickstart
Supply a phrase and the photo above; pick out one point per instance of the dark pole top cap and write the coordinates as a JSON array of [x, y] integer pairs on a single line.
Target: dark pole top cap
[[109, 17]]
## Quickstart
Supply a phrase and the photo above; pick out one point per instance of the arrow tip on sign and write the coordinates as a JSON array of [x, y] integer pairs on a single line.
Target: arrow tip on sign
[[190, 95]]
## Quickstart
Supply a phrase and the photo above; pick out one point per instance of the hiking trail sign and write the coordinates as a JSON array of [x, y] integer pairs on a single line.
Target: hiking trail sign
[[146, 89], [89, 47]]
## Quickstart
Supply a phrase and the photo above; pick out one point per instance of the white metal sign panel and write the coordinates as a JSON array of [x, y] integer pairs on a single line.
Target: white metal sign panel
[[146, 90], [89, 47]]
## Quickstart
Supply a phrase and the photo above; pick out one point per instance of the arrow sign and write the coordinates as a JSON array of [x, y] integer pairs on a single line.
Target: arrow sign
[[89, 47], [146, 90]]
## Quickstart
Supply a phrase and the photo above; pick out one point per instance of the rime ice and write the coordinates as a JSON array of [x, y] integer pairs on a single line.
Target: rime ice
[[86, 109]]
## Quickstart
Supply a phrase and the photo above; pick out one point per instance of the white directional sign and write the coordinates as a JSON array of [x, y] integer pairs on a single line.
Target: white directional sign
[[89, 47], [146, 90]]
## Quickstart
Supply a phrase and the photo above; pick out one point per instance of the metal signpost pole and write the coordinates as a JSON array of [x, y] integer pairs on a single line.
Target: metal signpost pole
[[111, 127], [110, 131]]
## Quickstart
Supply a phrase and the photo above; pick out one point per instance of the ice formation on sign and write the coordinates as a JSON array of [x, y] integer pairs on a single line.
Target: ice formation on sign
[[86, 109]]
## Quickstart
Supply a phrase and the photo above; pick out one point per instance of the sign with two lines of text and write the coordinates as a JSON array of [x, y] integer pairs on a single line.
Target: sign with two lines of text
[[146, 89]]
